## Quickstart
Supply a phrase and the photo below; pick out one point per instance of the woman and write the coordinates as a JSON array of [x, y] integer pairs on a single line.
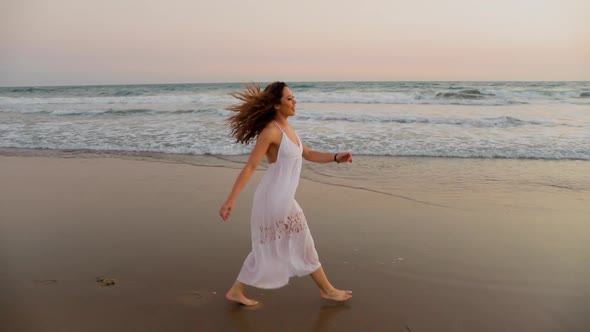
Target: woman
[[282, 245]]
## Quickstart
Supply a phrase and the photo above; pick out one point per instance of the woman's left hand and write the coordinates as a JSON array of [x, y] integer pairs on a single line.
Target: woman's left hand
[[226, 210], [344, 157]]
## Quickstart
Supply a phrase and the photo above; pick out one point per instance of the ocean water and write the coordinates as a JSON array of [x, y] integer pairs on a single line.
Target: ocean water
[[484, 145], [517, 120]]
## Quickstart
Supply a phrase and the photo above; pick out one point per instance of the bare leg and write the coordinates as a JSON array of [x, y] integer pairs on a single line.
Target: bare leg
[[327, 291], [236, 294]]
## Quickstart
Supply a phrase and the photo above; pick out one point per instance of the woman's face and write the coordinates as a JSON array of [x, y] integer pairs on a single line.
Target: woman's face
[[287, 106]]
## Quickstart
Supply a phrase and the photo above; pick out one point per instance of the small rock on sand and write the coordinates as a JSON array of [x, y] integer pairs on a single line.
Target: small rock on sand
[[104, 281]]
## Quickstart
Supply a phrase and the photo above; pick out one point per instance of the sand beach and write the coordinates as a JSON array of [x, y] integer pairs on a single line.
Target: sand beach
[[150, 222]]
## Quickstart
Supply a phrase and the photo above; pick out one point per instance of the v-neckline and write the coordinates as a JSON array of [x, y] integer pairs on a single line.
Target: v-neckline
[[289, 139]]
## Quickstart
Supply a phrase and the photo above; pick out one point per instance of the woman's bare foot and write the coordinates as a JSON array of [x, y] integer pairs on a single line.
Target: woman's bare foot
[[336, 295], [239, 298]]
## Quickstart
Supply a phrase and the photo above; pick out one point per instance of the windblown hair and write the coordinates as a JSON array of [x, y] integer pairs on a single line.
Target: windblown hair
[[255, 111]]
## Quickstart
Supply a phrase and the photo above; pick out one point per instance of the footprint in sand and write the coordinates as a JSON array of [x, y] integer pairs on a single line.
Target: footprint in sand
[[195, 298], [45, 281]]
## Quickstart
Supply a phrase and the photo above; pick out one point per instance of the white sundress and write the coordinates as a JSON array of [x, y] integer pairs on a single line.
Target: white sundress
[[282, 245]]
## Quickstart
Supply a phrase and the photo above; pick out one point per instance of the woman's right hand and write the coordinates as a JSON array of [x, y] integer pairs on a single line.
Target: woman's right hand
[[226, 209]]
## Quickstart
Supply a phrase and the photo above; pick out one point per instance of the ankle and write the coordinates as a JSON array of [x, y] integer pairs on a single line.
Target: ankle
[[237, 288], [328, 289], [234, 290]]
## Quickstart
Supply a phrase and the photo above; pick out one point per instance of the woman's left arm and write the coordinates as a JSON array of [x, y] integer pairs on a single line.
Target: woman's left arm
[[322, 157]]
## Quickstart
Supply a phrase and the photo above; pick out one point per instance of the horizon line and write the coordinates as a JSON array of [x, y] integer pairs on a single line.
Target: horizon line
[[257, 82]]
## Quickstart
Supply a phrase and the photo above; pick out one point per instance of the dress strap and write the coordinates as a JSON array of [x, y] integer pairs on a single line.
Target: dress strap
[[279, 126]]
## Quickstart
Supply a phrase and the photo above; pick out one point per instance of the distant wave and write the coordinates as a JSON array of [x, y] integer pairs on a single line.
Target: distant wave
[[502, 121], [464, 94], [408, 97], [472, 97], [302, 86], [122, 112], [100, 112], [160, 99], [31, 90], [533, 95], [122, 93]]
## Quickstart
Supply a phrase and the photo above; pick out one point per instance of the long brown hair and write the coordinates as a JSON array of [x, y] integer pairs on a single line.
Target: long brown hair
[[255, 111]]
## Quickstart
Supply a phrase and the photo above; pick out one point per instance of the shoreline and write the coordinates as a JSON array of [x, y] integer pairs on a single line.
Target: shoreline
[[451, 183], [89, 153]]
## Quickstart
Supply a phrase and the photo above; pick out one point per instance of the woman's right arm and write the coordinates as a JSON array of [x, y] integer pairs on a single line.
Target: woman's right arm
[[262, 143]]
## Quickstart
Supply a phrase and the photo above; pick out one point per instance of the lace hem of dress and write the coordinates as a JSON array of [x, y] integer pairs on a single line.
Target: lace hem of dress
[[293, 224]]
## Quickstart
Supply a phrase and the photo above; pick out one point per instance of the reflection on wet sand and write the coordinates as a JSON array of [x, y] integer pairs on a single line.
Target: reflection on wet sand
[[245, 319], [327, 315]]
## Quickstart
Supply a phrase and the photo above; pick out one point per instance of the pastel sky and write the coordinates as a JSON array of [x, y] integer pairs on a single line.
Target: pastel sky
[[69, 42]]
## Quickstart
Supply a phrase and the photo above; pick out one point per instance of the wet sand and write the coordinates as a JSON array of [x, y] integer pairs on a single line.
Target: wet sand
[[152, 225]]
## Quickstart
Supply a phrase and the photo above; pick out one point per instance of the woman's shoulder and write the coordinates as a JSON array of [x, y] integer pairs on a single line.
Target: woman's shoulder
[[271, 131]]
